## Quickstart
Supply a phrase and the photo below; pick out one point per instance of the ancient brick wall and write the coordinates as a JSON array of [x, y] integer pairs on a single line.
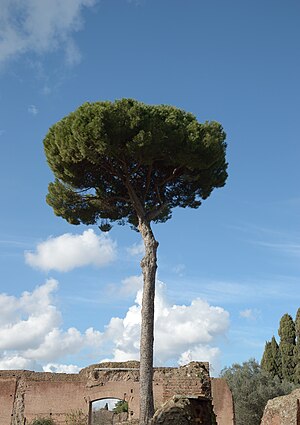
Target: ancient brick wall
[[190, 380], [222, 401], [25, 395], [7, 396]]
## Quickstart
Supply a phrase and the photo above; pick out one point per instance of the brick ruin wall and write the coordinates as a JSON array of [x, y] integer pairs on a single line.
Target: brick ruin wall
[[26, 395], [222, 401]]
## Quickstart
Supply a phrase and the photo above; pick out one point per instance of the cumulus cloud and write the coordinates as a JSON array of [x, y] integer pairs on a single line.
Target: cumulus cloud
[[32, 336], [18, 362], [25, 321], [31, 333], [69, 251], [40, 26], [182, 332], [203, 352]]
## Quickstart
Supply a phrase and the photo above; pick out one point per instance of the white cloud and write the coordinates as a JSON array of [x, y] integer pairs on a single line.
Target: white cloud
[[33, 110], [203, 352], [137, 249], [61, 368], [68, 251], [18, 362], [32, 337], [31, 333], [26, 320], [249, 313], [181, 331], [56, 344], [40, 26]]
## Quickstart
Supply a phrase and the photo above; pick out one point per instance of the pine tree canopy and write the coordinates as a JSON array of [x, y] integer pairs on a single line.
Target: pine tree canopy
[[116, 160]]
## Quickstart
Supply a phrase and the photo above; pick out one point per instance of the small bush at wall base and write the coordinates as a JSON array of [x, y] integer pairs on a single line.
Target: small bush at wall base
[[42, 421]]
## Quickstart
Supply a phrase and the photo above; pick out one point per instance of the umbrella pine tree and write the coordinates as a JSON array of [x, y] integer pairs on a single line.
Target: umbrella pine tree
[[127, 162]]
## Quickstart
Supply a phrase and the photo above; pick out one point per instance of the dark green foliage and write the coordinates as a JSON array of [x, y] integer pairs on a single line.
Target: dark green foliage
[[116, 160], [120, 406], [287, 346], [251, 388], [42, 421], [297, 349], [271, 360], [266, 361]]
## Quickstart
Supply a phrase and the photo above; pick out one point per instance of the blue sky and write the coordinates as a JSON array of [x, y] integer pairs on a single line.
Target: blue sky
[[227, 271]]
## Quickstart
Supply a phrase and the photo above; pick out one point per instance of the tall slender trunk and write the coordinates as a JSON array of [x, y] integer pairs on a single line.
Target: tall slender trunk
[[149, 266]]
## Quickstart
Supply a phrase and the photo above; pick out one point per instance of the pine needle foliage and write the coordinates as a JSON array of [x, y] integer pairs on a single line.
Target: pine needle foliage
[[162, 153]]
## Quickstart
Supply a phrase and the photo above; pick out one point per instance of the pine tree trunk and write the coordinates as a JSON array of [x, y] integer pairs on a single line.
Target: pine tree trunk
[[149, 266]]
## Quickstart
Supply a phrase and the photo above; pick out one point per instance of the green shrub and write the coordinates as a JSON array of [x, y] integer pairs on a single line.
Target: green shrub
[[120, 406], [42, 421], [251, 388]]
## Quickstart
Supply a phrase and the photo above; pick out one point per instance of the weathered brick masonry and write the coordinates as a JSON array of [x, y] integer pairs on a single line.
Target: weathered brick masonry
[[25, 395]]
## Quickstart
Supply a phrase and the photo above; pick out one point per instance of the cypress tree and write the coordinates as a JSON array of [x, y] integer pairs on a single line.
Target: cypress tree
[[271, 360], [297, 349], [266, 361], [287, 346], [276, 358]]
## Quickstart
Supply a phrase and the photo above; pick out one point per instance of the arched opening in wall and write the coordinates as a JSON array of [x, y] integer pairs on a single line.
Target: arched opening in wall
[[107, 411]]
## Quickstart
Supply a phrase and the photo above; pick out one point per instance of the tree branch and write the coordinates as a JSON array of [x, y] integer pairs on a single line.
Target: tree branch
[[136, 202], [148, 179], [172, 176], [152, 215]]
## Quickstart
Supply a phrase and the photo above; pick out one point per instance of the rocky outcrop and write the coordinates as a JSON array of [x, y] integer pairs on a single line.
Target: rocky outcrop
[[283, 410], [184, 411]]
